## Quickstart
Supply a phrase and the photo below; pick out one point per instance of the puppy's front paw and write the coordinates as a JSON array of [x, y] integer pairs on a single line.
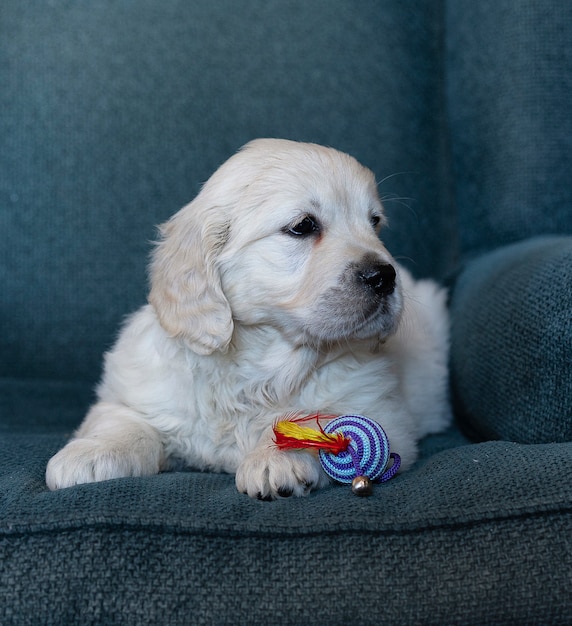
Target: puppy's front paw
[[268, 474], [89, 460]]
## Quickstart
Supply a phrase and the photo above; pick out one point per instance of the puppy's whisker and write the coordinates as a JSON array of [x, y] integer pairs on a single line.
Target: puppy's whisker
[[395, 198], [389, 176], [401, 201], [405, 258]]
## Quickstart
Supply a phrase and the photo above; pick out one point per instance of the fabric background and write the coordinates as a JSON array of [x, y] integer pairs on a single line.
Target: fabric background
[[509, 68]]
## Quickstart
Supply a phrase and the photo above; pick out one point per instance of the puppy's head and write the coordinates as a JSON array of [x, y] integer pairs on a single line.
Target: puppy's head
[[285, 234]]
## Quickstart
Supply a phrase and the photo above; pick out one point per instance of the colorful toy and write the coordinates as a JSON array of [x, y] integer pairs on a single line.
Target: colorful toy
[[352, 448]]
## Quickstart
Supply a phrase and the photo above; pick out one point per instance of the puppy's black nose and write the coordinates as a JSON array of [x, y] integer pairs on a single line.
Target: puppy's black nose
[[379, 277]]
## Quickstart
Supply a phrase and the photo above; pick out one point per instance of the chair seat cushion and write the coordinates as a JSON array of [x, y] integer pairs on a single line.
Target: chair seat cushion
[[186, 547]]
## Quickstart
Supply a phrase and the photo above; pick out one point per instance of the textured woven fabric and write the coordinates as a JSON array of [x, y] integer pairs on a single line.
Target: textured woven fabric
[[509, 92], [473, 534], [157, 577], [512, 342]]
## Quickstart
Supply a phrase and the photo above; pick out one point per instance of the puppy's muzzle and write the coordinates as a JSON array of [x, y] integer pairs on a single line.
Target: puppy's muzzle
[[377, 277]]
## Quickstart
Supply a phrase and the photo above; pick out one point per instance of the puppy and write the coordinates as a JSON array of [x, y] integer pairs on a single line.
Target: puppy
[[271, 293]]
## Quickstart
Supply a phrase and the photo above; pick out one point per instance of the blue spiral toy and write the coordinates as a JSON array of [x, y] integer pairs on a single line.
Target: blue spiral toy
[[366, 457]]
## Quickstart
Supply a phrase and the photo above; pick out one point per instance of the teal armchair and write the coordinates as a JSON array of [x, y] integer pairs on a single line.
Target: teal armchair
[[112, 115]]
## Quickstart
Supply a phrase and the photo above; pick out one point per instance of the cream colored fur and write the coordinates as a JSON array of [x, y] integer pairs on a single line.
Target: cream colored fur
[[247, 322]]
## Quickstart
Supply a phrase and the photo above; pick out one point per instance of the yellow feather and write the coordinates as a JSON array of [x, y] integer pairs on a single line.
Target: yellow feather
[[302, 433]]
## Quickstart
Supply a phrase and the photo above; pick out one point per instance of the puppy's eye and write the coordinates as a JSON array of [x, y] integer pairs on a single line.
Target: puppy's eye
[[306, 226], [375, 220]]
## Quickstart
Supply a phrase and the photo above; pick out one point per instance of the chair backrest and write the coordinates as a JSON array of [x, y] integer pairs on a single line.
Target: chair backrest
[[114, 113], [509, 96]]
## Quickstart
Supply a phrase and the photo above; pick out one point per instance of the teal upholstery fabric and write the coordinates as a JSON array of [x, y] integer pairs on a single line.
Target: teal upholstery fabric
[[509, 91], [512, 342], [112, 116], [473, 534]]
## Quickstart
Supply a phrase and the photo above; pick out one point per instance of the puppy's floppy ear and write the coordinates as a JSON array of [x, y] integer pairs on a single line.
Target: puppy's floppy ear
[[186, 290]]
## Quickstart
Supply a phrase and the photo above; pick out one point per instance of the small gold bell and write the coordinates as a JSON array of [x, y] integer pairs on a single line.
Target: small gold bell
[[362, 486]]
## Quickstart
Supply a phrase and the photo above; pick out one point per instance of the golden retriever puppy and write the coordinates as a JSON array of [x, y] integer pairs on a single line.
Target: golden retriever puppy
[[271, 293]]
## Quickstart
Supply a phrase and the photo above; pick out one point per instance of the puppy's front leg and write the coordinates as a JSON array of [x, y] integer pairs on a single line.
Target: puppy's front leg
[[112, 442], [268, 473]]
